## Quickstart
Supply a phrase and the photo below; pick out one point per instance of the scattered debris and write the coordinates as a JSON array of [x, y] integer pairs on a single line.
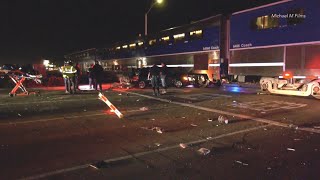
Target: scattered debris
[[153, 119], [19, 115], [84, 110], [291, 149], [183, 117], [159, 130], [120, 94], [297, 139], [210, 120], [208, 138], [217, 125], [144, 109], [183, 146], [157, 144], [204, 151], [265, 129], [242, 163], [269, 168], [263, 112], [222, 119], [194, 125], [138, 100]]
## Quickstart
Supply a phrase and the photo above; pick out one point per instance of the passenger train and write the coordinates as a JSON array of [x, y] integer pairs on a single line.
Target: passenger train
[[262, 41]]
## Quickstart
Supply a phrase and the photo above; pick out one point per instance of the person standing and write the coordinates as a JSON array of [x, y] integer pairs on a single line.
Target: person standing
[[78, 76], [69, 72], [91, 77], [154, 76], [163, 77], [98, 75]]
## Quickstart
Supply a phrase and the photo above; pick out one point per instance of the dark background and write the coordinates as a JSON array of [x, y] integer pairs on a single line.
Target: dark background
[[35, 29]]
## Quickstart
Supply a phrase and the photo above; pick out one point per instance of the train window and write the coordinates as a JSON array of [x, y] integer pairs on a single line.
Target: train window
[[124, 46], [179, 37], [140, 43], [196, 34], [152, 42], [296, 16], [118, 48], [265, 22], [132, 46]]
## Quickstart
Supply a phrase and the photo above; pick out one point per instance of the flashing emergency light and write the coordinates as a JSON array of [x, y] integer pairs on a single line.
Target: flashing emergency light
[[287, 75], [112, 107]]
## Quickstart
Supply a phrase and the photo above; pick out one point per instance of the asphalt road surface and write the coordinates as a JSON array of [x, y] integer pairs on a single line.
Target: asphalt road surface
[[60, 136]]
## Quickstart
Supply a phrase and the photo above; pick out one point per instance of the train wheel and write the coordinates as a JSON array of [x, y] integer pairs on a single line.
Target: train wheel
[[142, 84], [178, 84]]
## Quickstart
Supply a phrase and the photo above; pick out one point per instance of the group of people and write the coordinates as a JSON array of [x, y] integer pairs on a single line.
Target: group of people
[[72, 74], [95, 74], [156, 74]]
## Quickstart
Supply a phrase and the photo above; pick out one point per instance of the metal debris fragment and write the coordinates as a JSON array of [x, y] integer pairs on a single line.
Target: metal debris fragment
[[183, 146], [291, 149], [203, 151], [222, 119], [242, 163], [144, 109], [193, 125]]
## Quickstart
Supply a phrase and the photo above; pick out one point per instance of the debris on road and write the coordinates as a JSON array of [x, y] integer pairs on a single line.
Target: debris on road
[[242, 163], [203, 151], [222, 119], [157, 144], [153, 119], [291, 149], [19, 115], [138, 100], [193, 125], [183, 117], [208, 138], [120, 94], [210, 120], [158, 129], [183, 146], [144, 109]]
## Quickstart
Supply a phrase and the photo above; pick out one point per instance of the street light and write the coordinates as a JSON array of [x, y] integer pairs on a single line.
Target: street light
[[146, 15]]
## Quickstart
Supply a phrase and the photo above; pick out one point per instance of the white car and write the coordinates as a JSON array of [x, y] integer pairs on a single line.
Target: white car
[[303, 87]]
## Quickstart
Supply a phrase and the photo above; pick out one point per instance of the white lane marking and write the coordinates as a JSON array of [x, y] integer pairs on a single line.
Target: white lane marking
[[267, 106], [59, 118], [242, 116], [66, 170]]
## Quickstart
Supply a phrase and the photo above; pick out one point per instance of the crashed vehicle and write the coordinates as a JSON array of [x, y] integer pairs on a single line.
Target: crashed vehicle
[[303, 87], [176, 79]]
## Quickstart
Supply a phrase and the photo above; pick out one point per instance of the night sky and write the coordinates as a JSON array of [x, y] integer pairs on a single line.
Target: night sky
[[35, 29]]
